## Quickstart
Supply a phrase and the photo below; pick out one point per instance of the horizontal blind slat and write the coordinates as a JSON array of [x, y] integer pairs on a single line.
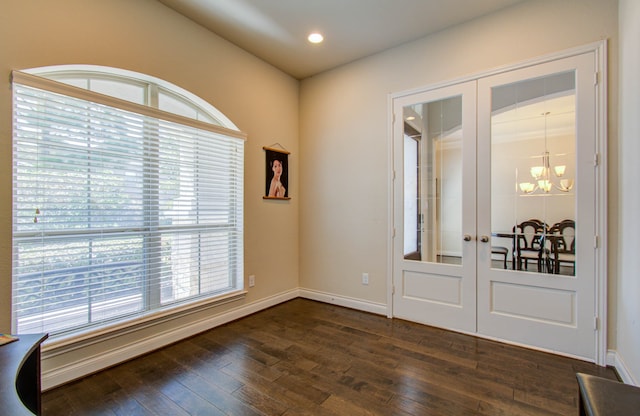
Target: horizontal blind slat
[[116, 213]]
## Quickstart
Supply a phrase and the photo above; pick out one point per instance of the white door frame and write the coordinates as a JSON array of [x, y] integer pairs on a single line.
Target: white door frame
[[600, 53]]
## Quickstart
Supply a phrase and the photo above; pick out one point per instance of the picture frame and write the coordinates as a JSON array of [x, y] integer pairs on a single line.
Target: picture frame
[[276, 174]]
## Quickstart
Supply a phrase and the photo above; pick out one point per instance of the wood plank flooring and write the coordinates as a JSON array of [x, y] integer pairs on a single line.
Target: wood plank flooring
[[308, 358]]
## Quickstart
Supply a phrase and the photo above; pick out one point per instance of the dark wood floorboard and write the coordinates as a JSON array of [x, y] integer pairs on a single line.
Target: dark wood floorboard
[[310, 358]]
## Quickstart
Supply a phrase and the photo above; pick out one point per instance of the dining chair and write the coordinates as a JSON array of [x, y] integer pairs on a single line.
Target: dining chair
[[530, 244], [501, 251], [562, 236]]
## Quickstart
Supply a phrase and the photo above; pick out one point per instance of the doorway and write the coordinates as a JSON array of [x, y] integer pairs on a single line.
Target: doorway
[[496, 209]]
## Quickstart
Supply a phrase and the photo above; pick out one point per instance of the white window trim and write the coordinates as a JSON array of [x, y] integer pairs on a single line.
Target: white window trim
[[104, 72], [69, 90], [64, 343]]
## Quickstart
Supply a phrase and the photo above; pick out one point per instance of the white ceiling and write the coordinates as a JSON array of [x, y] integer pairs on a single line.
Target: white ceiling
[[276, 30]]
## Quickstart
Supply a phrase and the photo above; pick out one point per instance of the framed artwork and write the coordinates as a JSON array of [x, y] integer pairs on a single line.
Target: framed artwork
[[276, 174]]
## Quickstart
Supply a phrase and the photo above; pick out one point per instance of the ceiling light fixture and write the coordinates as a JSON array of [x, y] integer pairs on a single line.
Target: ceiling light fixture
[[542, 174], [315, 37]]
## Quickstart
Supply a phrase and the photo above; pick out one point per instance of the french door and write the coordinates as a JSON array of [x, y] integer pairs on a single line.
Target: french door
[[435, 198], [495, 197]]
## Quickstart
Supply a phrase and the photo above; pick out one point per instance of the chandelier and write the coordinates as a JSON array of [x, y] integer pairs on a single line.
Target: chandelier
[[543, 179]]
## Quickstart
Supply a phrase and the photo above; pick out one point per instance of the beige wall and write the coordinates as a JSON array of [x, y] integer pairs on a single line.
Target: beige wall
[[145, 36], [344, 135], [628, 290], [340, 187]]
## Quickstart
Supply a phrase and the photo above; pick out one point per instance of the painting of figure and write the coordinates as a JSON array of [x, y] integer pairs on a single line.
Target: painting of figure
[[276, 174]]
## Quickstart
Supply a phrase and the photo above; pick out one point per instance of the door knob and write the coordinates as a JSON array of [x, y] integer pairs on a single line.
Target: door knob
[[467, 237], [484, 239]]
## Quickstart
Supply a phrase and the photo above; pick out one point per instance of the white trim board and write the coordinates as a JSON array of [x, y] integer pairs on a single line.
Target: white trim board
[[614, 360], [65, 373], [58, 375], [54, 377], [347, 302]]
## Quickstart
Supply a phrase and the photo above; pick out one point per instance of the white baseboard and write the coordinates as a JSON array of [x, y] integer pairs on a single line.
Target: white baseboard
[[55, 371], [614, 360], [359, 304], [59, 374], [54, 375]]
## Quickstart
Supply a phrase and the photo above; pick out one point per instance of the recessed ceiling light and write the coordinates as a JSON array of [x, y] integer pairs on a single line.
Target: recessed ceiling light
[[410, 118], [315, 37]]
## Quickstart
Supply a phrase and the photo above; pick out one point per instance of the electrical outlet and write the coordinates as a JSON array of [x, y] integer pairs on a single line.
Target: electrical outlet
[[365, 278], [252, 280]]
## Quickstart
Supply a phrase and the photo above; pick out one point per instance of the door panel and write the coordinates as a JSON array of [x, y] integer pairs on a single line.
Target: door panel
[[536, 156], [434, 268], [522, 186]]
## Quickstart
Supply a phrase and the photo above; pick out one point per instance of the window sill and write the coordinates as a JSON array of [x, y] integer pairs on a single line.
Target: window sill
[[64, 344]]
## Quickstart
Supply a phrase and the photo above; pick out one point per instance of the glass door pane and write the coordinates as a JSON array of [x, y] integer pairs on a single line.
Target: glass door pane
[[433, 181], [533, 174]]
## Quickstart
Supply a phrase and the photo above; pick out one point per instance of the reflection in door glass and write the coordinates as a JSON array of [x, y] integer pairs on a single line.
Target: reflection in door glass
[[533, 173], [433, 181]]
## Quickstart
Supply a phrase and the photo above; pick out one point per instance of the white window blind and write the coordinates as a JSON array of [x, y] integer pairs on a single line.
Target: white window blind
[[119, 210]]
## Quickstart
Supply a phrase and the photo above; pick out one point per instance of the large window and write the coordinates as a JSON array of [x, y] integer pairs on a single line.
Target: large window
[[120, 209]]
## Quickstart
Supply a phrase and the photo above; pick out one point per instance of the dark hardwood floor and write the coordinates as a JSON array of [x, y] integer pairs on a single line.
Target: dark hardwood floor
[[310, 358]]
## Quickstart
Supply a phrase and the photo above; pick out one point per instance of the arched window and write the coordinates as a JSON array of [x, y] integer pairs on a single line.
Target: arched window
[[137, 88], [127, 199]]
